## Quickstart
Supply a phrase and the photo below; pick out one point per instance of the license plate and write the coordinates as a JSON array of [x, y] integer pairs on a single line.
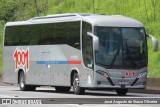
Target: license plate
[[123, 82]]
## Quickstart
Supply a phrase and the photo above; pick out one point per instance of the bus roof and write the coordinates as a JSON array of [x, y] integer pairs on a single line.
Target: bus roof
[[94, 19]]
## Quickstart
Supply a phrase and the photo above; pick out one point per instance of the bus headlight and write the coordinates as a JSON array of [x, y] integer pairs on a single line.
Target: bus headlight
[[141, 74], [102, 73]]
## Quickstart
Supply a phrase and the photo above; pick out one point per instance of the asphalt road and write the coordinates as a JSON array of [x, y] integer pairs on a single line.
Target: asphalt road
[[49, 92]]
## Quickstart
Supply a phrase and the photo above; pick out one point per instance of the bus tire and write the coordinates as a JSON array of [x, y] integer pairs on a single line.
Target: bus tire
[[22, 84], [76, 88], [121, 92], [32, 88], [62, 89]]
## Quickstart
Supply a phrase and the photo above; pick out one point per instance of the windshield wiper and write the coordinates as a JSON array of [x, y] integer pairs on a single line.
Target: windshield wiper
[[127, 51], [115, 56]]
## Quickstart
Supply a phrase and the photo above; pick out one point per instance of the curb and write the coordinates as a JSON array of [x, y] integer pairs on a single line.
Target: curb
[[1, 82], [146, 91]]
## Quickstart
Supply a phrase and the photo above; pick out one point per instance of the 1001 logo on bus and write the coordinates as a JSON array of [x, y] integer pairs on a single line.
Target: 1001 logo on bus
[[21, 59]]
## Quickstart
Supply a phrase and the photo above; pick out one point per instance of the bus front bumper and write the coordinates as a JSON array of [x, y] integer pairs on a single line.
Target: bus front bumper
[[120, 86]]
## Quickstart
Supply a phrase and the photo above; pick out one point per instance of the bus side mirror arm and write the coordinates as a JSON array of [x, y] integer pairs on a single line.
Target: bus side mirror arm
[[154, 42], [95, 41]]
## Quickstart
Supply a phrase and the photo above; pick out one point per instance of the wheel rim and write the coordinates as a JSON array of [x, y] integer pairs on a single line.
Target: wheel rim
[[22, 81], [76, 83]]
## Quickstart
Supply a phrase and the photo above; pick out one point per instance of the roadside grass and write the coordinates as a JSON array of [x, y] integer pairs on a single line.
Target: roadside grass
[[1, 33], [1, 67]]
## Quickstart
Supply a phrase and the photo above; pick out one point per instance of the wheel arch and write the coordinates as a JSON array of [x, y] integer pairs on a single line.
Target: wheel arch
[[73, 71], [19, 72]]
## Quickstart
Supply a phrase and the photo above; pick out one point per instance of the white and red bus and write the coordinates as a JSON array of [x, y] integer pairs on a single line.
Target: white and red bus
[[86, 51]]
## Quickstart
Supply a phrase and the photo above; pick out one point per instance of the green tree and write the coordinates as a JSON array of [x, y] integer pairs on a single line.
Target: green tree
[[8, 10]]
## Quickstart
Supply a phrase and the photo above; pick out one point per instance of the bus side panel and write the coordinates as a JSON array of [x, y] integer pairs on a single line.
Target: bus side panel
[[71, 59], [74, 56], [6, 68], [34, 75], [48, 65], [9, 72], [60, 73]]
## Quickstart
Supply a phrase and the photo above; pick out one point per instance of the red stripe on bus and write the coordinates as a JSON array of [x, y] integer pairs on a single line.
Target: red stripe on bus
[[74, 62]]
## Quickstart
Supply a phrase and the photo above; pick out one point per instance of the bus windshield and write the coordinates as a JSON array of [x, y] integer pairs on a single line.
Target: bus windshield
[[121, 47]]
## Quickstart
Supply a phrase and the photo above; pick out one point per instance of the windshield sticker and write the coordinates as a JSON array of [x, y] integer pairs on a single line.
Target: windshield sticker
[[123, 30], [142, 31]]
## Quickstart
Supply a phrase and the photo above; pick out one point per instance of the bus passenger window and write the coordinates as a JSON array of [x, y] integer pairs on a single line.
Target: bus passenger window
[[73, 34]]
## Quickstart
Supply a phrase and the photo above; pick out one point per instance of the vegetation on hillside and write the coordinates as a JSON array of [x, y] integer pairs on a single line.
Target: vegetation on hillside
[[146, 11]]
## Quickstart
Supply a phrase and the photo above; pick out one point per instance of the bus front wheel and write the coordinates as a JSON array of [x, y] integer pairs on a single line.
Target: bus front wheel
[[121, 92], [76, 88]]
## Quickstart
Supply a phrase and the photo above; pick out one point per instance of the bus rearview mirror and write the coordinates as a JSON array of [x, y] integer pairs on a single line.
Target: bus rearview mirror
[[95, 41], [154, 43]]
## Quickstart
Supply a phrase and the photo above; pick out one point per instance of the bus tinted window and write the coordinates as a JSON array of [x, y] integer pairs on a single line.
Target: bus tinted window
[[8, 36], [60, 33], [48, 34], [36, 37], [73, 34], [16, 35], [44, 34], [25, 37]]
